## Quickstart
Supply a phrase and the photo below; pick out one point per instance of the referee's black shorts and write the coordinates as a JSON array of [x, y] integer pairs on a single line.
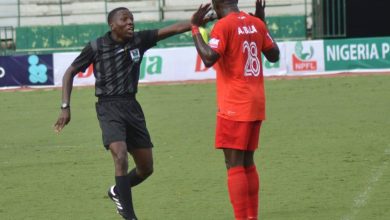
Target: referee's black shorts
[[122, 119]]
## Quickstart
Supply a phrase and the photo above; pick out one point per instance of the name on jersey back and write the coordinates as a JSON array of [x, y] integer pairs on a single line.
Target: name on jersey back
[[246, 30]]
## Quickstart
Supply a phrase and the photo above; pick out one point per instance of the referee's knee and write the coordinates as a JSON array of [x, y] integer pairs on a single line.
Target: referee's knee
[[145, 171]]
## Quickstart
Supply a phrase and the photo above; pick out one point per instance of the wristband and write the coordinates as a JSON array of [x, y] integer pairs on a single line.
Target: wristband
[[65, 105], [195, 30]]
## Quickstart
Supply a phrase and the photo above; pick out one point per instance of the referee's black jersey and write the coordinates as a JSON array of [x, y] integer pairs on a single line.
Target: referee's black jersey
[[116, 65]]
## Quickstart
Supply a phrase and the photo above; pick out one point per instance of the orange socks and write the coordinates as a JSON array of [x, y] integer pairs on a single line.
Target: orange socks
[[253, 192], [238, 191], [243, 186]]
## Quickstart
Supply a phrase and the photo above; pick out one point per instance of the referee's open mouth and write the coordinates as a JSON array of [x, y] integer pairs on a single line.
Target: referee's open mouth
[[130, 32]]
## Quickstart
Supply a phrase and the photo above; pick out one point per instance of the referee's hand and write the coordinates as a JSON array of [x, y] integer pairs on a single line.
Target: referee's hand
[[62, 120]]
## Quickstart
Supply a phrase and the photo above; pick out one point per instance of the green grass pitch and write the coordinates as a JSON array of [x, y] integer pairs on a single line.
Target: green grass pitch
[[324, 155]]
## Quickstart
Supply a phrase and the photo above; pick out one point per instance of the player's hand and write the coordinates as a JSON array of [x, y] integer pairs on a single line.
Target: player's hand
[[62, 120], [260, 13], [199, 17]]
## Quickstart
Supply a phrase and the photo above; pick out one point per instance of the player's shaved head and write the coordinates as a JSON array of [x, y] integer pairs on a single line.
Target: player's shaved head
[[113, 12], [227, 2], [224, 7]]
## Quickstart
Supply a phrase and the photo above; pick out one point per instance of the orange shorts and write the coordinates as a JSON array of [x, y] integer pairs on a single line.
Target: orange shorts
[[239, 135]]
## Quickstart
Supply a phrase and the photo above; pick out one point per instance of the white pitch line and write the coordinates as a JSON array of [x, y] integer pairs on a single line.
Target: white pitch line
[[361, 199]]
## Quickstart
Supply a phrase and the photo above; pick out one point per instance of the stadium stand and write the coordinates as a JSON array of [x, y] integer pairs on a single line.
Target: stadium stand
[[50, 25], [174, 9], [60, 12], [6, 39], [54, 12]]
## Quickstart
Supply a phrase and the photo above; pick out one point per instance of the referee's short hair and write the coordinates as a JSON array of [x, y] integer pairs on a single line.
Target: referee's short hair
[[113, 13]]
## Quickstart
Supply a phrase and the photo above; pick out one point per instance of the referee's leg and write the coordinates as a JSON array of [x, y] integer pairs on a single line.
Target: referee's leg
[[119, 154], [143, 159]]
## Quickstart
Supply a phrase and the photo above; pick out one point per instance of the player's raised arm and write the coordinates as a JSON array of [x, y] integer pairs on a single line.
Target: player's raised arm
[[178, 28], [260, 6], [273, 53], [207, 54]]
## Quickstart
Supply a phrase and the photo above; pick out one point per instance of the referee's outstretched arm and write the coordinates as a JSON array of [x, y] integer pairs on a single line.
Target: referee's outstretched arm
[[177, 28]]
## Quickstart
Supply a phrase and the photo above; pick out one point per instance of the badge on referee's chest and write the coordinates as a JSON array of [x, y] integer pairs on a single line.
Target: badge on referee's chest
[[135, 55]]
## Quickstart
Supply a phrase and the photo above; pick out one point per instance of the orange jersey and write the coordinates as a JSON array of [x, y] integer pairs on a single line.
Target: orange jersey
[[239, 39]]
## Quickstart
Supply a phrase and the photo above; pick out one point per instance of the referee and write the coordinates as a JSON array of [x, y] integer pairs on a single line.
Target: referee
[[116, 58]]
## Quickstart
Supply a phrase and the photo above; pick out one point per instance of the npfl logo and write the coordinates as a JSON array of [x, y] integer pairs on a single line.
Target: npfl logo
[[302, 58]]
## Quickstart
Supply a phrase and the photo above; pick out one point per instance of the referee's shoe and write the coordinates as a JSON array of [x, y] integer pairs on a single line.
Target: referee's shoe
[[115, 198]]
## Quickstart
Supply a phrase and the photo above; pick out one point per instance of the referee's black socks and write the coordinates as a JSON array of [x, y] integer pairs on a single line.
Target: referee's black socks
[[124, 191], [134, 179]]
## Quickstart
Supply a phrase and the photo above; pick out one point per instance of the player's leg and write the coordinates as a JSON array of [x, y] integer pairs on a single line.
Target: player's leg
[[119, 155], [143, 159], [237, 182], [251, 172], [231, 136], [253, 185], [233, 158]]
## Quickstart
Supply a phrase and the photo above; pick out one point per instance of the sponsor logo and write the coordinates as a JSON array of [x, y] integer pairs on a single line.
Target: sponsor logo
[[348, 52], [231, 113], [38, 72], [88, 72], [302, 58], [199, 65], [269, 65], [2, 72], [364, 53], [151, 66], [385, 50]]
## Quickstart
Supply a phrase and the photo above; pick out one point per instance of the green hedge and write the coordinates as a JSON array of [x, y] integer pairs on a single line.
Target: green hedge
[[74, 37]]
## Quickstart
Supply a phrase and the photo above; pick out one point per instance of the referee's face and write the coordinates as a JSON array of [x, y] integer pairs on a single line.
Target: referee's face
[[123, 24]]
